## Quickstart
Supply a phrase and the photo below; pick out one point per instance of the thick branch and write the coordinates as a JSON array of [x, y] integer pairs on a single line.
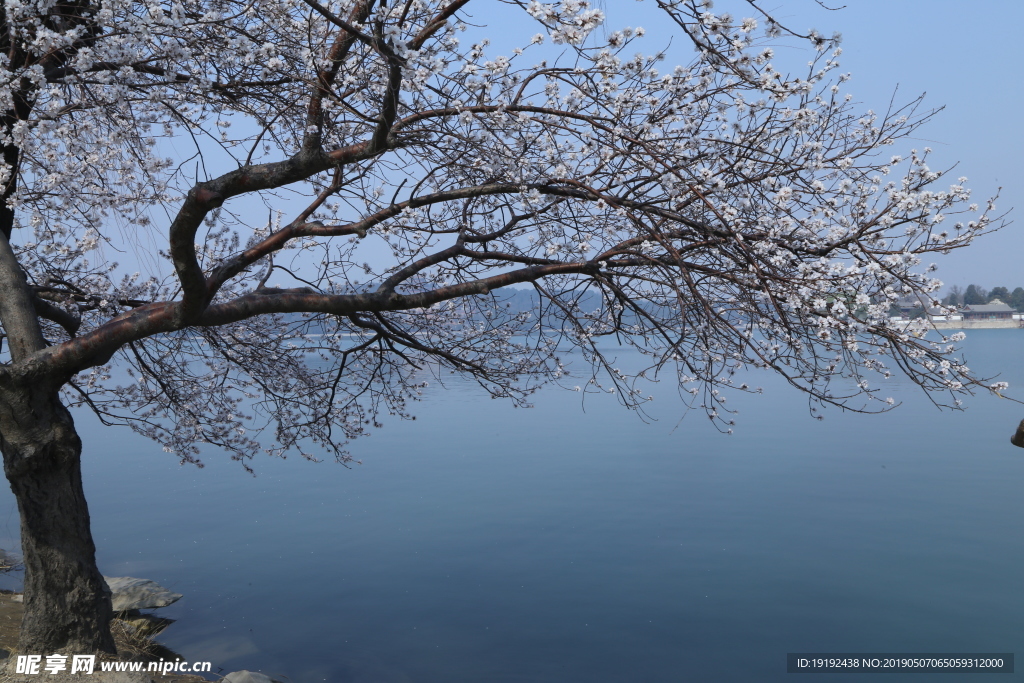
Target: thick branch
[[17, 309], [69, 321], [343, 24], [208, 195], [403, 274], [97, 346], [436, 23], [389, 110], [307, 301], [491, 108], [326, 76]]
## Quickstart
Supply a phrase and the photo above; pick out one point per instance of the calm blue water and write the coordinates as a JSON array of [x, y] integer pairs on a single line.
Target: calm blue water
[[484, 543]]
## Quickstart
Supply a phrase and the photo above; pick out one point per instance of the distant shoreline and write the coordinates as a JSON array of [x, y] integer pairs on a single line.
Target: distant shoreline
[[966, 324], [977, 324]]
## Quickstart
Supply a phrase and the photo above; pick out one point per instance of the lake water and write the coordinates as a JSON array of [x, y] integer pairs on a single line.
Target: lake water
[[568, 543]]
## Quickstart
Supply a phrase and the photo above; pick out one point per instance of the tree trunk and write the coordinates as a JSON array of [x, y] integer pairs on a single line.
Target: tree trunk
[[67, 602]]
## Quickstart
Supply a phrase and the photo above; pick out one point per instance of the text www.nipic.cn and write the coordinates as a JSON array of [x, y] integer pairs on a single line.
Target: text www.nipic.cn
[[86, 664]]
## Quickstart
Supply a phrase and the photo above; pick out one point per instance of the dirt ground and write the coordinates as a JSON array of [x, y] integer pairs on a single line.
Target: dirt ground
[[129, 648], [10, 623]]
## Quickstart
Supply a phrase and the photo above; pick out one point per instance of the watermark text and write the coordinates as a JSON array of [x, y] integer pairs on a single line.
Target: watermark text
[[38, 665]]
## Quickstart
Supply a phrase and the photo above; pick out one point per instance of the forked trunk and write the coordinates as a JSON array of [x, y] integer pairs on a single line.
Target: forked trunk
[[67, 602]]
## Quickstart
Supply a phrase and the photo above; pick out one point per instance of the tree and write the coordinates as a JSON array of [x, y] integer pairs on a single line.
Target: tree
[[1017, 298], [955, 296], [717, 215], [1001, 293], [975, 295]]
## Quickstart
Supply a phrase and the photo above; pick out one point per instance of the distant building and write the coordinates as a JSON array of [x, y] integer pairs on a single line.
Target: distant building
[[995, 310], [908, 308], [992, 315], [937, 315]]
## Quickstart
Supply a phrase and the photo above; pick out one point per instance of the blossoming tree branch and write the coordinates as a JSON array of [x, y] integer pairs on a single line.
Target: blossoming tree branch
[[316, 205]]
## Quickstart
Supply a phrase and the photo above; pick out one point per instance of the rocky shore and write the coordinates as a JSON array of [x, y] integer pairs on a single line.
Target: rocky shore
[[134, 631]]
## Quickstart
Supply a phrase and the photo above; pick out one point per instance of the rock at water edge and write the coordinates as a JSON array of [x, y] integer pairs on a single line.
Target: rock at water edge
[[131, 593], [247, 677]]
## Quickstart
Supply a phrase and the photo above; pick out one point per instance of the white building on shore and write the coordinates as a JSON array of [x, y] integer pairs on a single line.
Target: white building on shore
[[994, 314]]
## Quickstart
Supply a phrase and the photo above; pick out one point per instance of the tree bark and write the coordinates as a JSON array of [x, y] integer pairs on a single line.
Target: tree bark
[[67, 601]]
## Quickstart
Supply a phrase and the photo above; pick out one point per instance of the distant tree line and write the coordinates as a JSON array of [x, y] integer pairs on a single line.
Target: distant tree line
[[976, 294]]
